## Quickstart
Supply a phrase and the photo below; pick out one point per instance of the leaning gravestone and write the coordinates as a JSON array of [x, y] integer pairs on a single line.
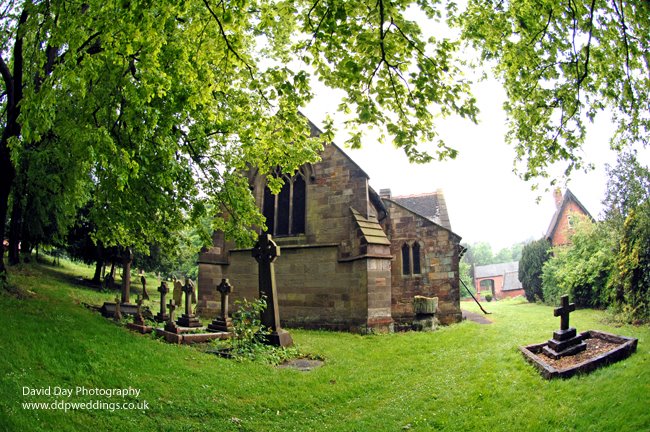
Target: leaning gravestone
[[265, 253], [223, 323], [188, 319], [178, 292], [143, 281]]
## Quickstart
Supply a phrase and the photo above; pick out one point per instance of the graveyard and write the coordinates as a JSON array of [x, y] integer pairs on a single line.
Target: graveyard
[[462, 377]]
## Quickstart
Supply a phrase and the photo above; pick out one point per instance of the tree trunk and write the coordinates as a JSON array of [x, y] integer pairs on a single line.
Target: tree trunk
[[126, 275], [112, 273], [14, 93], [15, 227], [97, 277], [6, 179]]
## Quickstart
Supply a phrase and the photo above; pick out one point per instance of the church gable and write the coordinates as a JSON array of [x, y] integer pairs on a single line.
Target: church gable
[[340, 245]]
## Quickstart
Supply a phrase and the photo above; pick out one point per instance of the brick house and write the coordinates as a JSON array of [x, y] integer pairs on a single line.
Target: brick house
[[567, 209], [499, 280], [350, 258]]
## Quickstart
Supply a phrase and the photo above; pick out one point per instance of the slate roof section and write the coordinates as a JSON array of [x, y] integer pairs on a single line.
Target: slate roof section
[[491, 270], [431, 206], [370, 229], [511, 282], [568, 196]]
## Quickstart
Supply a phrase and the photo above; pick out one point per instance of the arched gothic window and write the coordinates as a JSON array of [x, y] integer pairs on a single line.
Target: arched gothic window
[[411, 259], [285, 212], [406, 259]]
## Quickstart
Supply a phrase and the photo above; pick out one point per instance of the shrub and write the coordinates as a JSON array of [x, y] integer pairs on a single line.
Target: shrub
[[582, 268], [533, 257], [488, 297], [630, 282]]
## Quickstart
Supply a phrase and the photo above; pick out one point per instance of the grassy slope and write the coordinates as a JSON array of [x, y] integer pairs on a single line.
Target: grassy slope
[[461, 378]]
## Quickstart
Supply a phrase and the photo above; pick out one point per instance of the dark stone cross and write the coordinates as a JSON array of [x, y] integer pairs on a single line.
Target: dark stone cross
[[223, 323], [566, 341], [265, 253], [188, 319], [225, 289], [163, 290], [564, 311]]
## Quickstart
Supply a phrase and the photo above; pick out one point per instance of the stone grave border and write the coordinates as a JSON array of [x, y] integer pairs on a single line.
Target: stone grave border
[[626, 347]]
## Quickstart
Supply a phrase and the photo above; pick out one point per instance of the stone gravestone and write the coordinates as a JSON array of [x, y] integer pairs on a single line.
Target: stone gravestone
[[117, 315], [170, 325], [139, 319], [143, 280], [178, 292], [564, 342], [163, 290], [188, 319], [265, 253], [223, 323]]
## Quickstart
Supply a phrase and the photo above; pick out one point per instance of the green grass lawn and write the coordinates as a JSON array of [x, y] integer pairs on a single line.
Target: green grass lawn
[[465, 377]]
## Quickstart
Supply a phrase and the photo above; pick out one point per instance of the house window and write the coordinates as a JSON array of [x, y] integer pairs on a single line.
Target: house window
[[285, 212], [411, 259], [570, 221]]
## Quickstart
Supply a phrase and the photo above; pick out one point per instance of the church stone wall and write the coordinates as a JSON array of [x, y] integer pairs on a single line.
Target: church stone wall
[[439, 275], [315, 290]]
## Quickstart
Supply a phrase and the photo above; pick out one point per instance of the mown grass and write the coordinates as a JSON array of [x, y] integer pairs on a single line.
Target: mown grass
[[464, 377]]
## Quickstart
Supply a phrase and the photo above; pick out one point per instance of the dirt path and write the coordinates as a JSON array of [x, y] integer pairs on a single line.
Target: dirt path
[[475, 317]]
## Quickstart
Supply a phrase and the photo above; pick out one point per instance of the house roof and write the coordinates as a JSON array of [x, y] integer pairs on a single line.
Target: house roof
[[496, 269], [430, 206], [511, 281], [568, 197]]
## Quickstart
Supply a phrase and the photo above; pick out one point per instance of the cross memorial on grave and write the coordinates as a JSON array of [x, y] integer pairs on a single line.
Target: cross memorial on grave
[[223, 323], [163, 290], [170, 325], [565, 342], [564, 311], [188, 319], [265, 253]]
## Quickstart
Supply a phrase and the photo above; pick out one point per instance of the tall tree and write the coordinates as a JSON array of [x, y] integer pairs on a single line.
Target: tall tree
[[166, 102], [562, 62]]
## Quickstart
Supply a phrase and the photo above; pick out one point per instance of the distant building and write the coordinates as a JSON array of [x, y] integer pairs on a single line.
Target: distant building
[[499, 280], [567, 209]]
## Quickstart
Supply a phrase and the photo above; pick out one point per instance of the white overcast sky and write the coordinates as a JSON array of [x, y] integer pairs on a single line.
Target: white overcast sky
[[485, 199]]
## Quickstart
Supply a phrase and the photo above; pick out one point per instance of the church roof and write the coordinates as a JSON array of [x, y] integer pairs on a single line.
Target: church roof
[[568, 196], [430, 206], [370, 229]]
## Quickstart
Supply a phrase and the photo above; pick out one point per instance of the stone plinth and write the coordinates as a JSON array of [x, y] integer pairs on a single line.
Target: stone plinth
[[181, 336], [564, 343]]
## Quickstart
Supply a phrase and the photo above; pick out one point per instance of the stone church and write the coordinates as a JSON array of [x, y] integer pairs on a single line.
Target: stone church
[[351, 258]]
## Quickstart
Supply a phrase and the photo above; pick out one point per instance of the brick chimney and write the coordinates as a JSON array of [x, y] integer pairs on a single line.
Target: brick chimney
[[384, 193], [557, 195]]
